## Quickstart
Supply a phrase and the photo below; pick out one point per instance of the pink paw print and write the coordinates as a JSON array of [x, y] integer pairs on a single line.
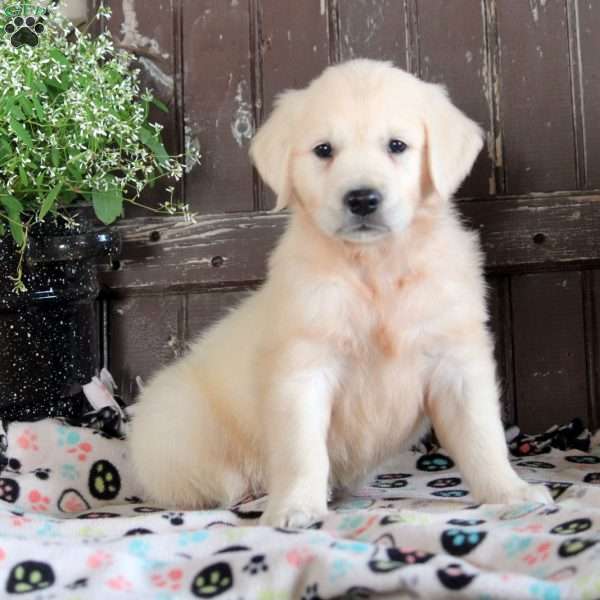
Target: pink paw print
[[172, 580], [299, 558], [99, 559], [81, 450], [19, 520], [39, 502], [540, 553], [28, 440], [120, 584]]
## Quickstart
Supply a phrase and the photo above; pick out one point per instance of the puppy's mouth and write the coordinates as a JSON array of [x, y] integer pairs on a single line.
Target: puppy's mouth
[[363, 232]]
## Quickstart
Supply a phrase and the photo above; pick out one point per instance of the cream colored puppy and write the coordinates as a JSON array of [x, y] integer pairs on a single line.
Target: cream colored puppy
[[372, 317]]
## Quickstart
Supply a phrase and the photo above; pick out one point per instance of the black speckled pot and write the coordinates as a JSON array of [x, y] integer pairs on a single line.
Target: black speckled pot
[[49, 334]]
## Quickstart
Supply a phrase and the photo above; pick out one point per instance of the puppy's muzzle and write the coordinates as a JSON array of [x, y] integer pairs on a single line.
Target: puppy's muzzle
[[362, 202]]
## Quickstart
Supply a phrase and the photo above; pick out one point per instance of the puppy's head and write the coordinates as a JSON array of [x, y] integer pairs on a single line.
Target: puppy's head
[[361, 147]]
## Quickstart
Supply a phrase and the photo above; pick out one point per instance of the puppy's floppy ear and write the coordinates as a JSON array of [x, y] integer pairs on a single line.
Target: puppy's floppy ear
[[453, 142], [271, 147]]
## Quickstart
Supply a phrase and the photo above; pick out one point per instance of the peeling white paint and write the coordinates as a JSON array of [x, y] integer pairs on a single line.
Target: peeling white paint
[[469, 56], [192, 144], [534, 7], [242, 126], [157, 74], [235, 3], [322, 7], [132, 36]]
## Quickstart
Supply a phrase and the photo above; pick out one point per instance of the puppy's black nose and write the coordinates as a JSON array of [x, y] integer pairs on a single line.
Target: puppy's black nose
[[362, 202]]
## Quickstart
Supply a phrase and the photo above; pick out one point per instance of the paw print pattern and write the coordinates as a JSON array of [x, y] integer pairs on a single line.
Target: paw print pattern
[[593, 478], [81, 451], [586, 459], [444, 482], [387, 483], [170, 581], [450, 493], [311, 592], [175, 518], [39, 502], [42, 474], [99, 559], [459, 542], [453, 577], [557, 488], [9, 490], [466, 522], [395, 558], [120, 584], [28, 440], [30, 576], [256, 565], [25, 31], [539, 554], [71, 501], [212, 581], [434, 462], [104, 480], [572, 527], [574, 546], [535, 464]]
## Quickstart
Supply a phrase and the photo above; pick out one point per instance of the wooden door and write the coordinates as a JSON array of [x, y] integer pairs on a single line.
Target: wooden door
[[526, 70]]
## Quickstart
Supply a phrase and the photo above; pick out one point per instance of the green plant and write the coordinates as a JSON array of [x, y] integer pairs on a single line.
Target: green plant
[[74, 125]]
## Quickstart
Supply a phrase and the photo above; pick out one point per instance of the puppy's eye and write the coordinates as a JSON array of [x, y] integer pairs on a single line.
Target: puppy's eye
[[397, 146], [323, 150]]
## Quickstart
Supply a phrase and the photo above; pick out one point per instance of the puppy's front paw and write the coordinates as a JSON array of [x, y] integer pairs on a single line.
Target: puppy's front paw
[[517, 493], [291, 516]]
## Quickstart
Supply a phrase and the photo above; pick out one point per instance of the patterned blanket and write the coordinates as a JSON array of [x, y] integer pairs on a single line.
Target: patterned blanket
[[73, 526]]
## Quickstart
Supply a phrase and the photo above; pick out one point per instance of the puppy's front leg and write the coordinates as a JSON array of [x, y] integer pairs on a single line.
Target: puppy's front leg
[[464, 408], [298, 412]]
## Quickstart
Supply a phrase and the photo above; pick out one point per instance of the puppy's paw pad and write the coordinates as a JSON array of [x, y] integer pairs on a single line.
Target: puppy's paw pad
[[291, 517]]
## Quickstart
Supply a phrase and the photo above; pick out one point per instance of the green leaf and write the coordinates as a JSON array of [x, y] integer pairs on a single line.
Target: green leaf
[[5, 147], [39, 111], [149, 139], [108, 204], [23, 176], [59, 57], [16, 112], [160, 105], [55, 156], [14, 209], [26, 106], [20, 131], [49, 200]]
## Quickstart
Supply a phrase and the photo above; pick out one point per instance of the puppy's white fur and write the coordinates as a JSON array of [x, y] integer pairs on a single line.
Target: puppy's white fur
[[358, 334]]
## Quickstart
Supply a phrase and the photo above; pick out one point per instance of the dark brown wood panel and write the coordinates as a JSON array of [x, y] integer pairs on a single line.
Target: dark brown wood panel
[[588, 27], [206, 308], [146, 332], [500, 325], [535, 89], [150, 36], [549, 232], [373, 29], [452, 51], [294, 47], [549, 349], [592, 330], [218, 101]]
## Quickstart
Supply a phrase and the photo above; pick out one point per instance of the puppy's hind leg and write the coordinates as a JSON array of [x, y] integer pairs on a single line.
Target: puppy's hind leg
[[463, 406], [177, 447]]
